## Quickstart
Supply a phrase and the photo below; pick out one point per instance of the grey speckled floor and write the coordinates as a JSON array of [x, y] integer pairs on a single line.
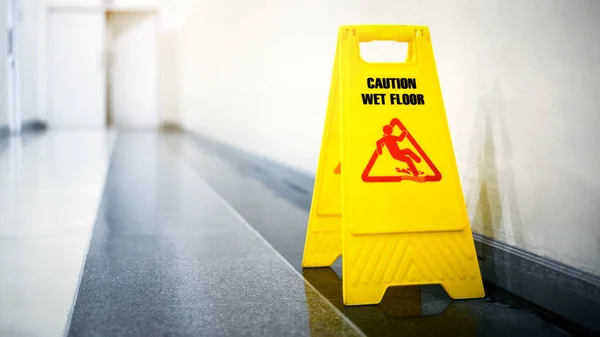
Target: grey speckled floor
[[169, 258]]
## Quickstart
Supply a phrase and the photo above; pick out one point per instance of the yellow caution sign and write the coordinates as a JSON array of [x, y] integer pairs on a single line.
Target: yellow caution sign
[[387, 195]]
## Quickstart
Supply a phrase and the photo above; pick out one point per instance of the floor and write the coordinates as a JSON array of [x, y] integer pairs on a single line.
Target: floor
[[154, 234], [50, 189]]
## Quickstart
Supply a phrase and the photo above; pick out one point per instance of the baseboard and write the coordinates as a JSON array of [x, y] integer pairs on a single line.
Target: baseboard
[[34, 126], [171, 127], [561, 291], [552, 286]]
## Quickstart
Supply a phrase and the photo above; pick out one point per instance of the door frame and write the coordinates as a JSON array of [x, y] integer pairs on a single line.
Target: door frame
[[13, 107]]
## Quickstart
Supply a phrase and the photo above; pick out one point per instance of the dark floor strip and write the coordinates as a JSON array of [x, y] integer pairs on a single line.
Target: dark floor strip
[[168, 258], [279, 213]]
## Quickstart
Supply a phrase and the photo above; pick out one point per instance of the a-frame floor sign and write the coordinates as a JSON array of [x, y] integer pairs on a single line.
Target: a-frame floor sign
[[387, 194]]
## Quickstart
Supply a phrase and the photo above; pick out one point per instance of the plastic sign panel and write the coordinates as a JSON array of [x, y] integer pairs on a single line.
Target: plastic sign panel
[[387, 195]]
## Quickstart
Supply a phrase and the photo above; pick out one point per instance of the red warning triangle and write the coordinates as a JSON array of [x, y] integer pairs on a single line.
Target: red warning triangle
[[406, 156]]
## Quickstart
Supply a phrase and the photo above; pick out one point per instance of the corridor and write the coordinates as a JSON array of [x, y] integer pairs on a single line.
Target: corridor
[[171, 234], [299, 168]]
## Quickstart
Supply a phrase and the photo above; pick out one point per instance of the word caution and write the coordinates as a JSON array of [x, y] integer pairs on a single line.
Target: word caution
[[392, 98]]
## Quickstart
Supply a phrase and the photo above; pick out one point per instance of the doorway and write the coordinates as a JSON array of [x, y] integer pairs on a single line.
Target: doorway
[[102, 69], [132, 74]]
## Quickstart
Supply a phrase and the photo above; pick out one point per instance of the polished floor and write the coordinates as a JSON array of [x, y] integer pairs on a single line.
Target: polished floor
[[147, 234], [50, 189]]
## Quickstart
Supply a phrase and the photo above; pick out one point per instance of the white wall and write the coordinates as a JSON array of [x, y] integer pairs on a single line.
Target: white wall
[[28, 59], [3, 65], [114, 4], [520, 81], [168, 84], [173, 15]]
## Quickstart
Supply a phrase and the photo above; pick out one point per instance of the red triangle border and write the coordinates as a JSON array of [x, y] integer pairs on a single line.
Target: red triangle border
[[437, 176]]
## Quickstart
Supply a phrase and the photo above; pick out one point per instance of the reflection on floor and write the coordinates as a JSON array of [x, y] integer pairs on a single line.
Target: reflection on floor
[[50, 188], [177, 248], [411, 311], [428, 311]]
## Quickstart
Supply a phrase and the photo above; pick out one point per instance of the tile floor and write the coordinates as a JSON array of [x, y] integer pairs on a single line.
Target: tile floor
[[50, 190]]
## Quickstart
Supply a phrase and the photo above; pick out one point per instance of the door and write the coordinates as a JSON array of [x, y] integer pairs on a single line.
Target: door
[[76, 68], [133, 70]]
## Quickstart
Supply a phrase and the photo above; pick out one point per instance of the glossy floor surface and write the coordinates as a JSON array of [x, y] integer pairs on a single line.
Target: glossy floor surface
[[172, 238], [50, 188]]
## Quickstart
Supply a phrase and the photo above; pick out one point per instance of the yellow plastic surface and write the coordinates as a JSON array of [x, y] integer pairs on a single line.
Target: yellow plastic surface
[[387, 194], [324, 235]]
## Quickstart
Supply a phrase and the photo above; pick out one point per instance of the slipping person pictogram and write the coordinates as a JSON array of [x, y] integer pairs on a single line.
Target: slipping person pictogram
[[403, 154], [392, 143]]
